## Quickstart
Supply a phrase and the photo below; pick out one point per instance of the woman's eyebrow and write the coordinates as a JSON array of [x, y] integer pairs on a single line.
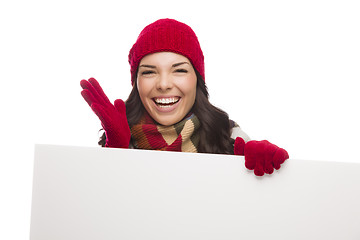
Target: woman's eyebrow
[[174, 65], [148, 66], [178, 64]]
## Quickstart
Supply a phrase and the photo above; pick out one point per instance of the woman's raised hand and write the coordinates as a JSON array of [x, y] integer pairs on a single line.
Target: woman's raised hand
[[113, 117], [260, 156]]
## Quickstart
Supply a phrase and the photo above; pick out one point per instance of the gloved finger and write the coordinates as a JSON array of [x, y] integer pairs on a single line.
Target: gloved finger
[[120, 106], [84, 84], [250, 157], [279, 157], [259, 169], [89, 98], [100, 111], [239, 146], [99, 90], [269, 153], [88, 85], [260, 157]]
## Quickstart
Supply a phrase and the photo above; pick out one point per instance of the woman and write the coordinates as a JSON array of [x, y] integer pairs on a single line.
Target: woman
[[168, 108]]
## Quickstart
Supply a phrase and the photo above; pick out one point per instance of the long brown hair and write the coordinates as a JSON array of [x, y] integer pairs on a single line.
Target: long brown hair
[[215, 124]]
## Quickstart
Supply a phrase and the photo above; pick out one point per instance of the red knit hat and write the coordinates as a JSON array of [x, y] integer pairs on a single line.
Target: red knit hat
[[167, 35]]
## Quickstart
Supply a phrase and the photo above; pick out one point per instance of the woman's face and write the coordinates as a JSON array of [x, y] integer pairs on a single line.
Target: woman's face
[[166, 83]]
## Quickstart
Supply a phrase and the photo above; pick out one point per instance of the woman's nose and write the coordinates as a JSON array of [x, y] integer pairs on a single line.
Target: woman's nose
[[164, 82]]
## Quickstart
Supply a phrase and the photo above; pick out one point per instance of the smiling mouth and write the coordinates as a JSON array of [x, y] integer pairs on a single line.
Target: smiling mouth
[[166, 102]]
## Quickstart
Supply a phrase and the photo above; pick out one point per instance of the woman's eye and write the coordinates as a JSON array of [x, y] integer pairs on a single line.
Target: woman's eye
[[147, 72], [181, 70]]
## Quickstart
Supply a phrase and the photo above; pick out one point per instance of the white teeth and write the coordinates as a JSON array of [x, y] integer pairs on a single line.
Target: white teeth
[[166, 100], [164, 106]]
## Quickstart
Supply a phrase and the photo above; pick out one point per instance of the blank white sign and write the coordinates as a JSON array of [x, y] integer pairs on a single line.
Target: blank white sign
[[98, 193]]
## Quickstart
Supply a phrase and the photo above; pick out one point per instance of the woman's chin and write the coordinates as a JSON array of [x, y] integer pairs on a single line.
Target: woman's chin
[[167, 121]]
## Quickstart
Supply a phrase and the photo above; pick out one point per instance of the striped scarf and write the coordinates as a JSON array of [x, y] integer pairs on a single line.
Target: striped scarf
[[181, 137]]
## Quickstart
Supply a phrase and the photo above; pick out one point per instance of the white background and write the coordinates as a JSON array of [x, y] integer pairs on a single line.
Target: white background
[[286, 71]]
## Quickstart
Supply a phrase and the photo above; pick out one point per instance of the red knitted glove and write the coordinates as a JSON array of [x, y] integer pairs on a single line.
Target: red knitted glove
[[260, 156], [113, 117]]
